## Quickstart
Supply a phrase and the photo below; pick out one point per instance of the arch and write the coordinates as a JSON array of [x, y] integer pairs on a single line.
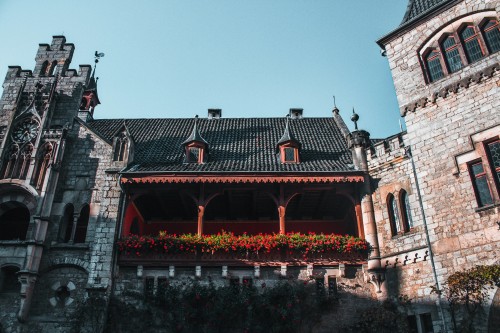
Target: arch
[[18, 193], [45, 68], [82, 225], [66, 224], [392, 209], [44, 160], [14, 220], [406, 217]]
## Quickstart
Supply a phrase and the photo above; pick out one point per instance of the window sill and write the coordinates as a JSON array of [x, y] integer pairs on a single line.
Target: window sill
[[487, 207], [410, 232], [67, 246]]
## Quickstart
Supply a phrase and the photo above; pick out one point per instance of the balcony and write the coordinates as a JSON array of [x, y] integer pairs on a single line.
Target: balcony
[[229, 250]]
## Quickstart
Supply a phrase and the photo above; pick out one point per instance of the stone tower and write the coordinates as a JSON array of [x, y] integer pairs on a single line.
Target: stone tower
[[444, 59]]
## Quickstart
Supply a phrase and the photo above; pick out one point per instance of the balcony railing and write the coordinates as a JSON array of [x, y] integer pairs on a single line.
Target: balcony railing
[[227, 249]]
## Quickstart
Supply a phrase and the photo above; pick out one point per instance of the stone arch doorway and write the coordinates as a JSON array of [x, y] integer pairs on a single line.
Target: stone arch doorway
[[14, 220], [494, 316]]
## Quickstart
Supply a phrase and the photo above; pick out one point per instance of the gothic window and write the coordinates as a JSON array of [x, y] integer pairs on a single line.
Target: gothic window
[[472, 46], [10, 161], [405, 210], [491, 33], [452, 54], [82, 224], [392, 208], [120, 147], [45, 68], [44, 160], [433, 63], [480, 183]]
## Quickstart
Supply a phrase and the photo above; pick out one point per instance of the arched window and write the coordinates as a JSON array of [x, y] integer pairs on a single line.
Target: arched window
[[433, 64], [45, 68], [8, 280], [392, 208], [43, 162], [66, 226], [82, 224], [491, 32], [470, 40], [14, 221], [120, 149], [404, 203], [452, 56]]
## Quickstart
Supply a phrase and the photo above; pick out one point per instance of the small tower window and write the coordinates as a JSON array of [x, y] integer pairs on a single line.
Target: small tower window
[[452, 54], [195, 153], [196, 148], [289, 154], [392, 208], [405, 210], [491, 30], [472, 48], [434, 68]]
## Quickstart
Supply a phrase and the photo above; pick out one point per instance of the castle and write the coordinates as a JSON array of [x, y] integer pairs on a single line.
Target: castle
[[427, 200]]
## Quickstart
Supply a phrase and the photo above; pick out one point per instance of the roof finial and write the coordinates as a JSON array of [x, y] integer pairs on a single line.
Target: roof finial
[[334, 104], [355, 118], [97, 56]]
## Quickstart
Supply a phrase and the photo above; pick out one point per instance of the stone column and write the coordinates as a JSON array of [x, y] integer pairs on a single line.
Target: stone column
[[281, 213], [73, 227], [359, 141], [201, 213]]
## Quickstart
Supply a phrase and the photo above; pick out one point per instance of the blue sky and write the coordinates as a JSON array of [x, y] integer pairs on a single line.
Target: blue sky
[[250, 58]]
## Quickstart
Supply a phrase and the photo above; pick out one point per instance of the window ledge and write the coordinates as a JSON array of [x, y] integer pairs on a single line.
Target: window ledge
[[12, 242], [487, 207], [410, 232], [67, 246]]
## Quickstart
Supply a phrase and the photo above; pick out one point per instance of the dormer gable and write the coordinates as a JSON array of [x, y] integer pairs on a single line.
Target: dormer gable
[[195, 146], [123, 146], [288, 147]]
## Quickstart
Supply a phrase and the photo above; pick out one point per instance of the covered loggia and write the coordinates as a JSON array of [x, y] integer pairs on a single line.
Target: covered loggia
[[321, 211], [14, 220]]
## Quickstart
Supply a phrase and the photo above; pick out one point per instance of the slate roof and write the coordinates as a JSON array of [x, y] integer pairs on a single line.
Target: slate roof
[[236, 144], [417, 8]]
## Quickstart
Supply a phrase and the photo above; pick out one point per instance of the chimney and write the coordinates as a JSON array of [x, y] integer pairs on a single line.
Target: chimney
[[296, 113], [214, 113]]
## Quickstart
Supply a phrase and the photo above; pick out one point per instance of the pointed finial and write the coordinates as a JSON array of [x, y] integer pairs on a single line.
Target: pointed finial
[[334, 103], [97, 56], [355, 118]]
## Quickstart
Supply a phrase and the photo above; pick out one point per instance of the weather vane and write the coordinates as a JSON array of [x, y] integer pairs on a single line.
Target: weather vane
[[97, 56]]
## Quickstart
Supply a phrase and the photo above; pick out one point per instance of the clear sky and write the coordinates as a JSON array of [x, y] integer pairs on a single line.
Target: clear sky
[[251, 58]]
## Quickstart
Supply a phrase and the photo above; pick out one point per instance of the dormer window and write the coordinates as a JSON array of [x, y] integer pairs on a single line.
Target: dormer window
[[288, 147], [196, 148], [195, 153], [120, 147]]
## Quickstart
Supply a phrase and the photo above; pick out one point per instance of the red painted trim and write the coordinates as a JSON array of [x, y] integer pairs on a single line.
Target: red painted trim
[[161, 179]]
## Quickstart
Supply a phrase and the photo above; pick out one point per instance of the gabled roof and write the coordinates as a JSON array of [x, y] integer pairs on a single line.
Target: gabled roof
[[236, 144]]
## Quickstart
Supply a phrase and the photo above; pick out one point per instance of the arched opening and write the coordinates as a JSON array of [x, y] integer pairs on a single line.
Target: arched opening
[[241, 211], [66, 226], [14, 221], [404, 203], [8, 280], [82, 224], [321, 211]]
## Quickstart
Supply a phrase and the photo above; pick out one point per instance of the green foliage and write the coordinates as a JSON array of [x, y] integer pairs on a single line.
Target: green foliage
[[384, 318], [287, 307], [466, 291]]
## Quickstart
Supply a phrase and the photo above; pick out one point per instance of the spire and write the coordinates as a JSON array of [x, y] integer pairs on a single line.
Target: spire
[[195, 135], [287, 135], [355, 118]]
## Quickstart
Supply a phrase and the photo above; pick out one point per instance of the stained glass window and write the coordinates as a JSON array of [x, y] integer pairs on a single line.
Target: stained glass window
[[492, 35], [471, 44], [481, 184], [452, 54], [434, 66]]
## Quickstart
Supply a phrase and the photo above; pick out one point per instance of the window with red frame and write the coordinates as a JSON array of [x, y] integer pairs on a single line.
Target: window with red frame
[[480, 183], [289, 155], [472, 46], [452, 54], [491, 33], [434, 68], [493, 151], [194, 154]]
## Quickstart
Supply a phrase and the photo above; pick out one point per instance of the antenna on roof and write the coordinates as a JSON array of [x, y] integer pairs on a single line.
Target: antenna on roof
[[334, 104]]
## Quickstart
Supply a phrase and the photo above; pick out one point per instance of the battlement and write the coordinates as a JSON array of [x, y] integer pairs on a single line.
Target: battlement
[[386, 150], [54, 58]]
